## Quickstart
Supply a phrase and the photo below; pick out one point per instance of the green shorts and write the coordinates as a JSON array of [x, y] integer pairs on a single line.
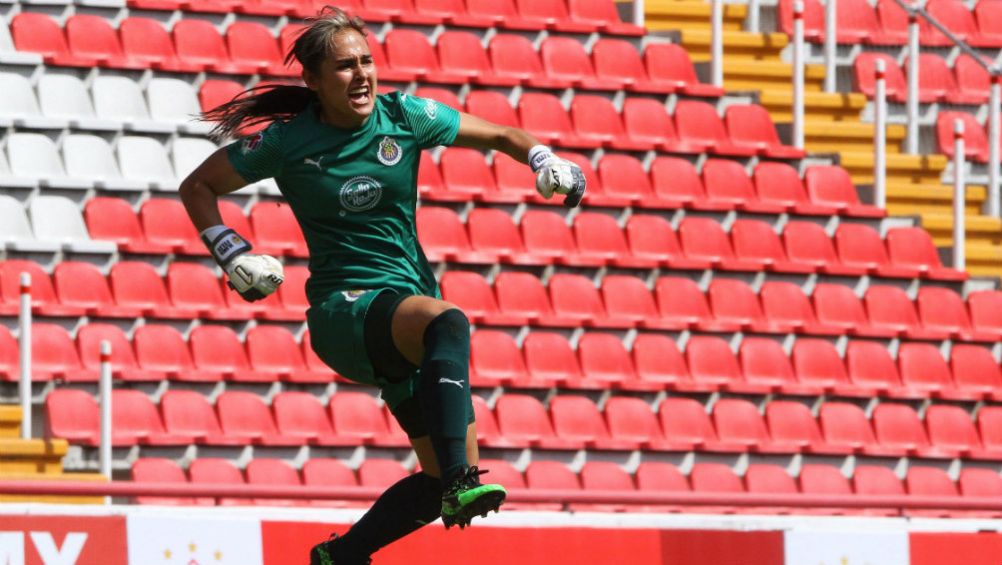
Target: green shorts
[[337, 335]]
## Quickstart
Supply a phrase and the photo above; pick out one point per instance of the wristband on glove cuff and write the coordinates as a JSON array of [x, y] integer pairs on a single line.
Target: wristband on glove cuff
[[224, 244], [538, 155]]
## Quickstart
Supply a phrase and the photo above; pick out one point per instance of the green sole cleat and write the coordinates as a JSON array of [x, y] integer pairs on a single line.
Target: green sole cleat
[[466, 498]]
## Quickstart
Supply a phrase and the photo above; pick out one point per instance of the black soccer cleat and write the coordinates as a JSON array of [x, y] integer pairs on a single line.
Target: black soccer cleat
[[323, 554], [466, 498]]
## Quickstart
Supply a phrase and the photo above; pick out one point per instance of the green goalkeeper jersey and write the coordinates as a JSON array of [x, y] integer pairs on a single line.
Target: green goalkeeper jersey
[[354, 192]]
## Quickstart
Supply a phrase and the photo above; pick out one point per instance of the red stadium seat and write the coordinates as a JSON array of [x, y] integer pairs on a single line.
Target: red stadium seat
[[215, 92], [159, 470], [398, 10], [113, 219], [813, 15], [473, 295], [816, 362], [959, 19], [381, 473], [670, 62], [704, 239], [493, 232], [837, 305], [465, 175], [601, 13], [194, 286], [245, 414], [831, 185], [9, 356], [356, 416], [913, 248], [698, 123], [461, 53], [300, 414], [604, 476], [550, 475], [733, 302], [275, 226], [824, 479], [549, 358], [135, 284], [274, 350], [599, 236], [379, 60], [81, 285], [188, 414], [898, 426], [597, 120], [951, 427], [780, 184], [765, 363], [452, 12], [728, 185], [92, 37], [990, 427], [973, 80], [618, 60], [429, 179], [750, 125], [523, 295], [577, 419], [858, 23], [871, 367], [757, 241], [715, 478], [147, 40], [711, 361], [738, 421], [487, 426], [845, 425], [197, 42], [564, 58], [166, 223], [575, 296], [523, 418], [975, 369], [53, 354], [136, 417], [214, 471], [791, 423], [73, 415], [890, 308], [681, 302], [161, 348], [606, 363], [986, 310], [976, 481], [924, 369], [807, 242], [440, 94], [546, 234], [503, 14], [409, 50], [39, 33], [495, 359], [631, 419], [628, 297], [43, 295], [871, 480], [492, 106], [514, 57], [122, 360], [767, 478], [251, 43], [652, 238], [218, 349], [554, 14], [975, 138], [544, 116], [676, 182], [274, 472], [444, 238], [515, 181], [684, 421], [657, 360], [942, 309], [647, 121], [785, 304]]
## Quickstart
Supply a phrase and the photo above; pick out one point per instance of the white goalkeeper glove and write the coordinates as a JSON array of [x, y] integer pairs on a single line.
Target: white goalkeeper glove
[[253, 276], [556, 175]]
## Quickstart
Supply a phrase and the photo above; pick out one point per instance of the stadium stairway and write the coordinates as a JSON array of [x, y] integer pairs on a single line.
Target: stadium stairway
[[36, 459], [833, 124]]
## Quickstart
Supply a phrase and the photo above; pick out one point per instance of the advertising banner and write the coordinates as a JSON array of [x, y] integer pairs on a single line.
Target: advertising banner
[[956, 548], [721, 547], [194, 540], [62, 540], [806, 547]]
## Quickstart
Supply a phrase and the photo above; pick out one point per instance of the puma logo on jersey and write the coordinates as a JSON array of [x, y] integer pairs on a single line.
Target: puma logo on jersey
[[308, 161], [444, 380]]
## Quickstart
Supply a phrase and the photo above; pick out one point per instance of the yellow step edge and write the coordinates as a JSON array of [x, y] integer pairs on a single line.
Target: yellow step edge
[[10, 447], [935, 192], [862, 130], [847, 100], [772, 41], [931, 163], [972, 223], [10, 413], [654, 9], [769, 69]]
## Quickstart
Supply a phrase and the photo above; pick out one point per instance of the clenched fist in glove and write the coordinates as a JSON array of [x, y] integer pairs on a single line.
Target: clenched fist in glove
[[252, 276], [556, 175]]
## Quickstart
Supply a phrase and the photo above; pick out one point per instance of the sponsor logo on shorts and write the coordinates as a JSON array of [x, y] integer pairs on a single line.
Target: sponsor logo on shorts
[[251, 143], [360, 193], [389, 152], [431, 109], [353, 295]]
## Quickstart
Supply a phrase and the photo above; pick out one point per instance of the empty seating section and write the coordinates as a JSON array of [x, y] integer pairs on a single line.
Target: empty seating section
[[716, 295]]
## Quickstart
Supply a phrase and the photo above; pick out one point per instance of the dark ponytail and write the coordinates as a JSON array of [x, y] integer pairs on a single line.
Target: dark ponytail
[[263, 104]]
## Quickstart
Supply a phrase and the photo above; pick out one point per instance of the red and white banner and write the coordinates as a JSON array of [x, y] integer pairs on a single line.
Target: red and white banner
[[194, 540], [62, 540]]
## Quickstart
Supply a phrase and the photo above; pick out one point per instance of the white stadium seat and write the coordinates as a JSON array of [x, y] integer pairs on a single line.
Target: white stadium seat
[[66, 97], [121, 99], [145, 159], [15, 230], [174, 100], [18, 105], [9, 180], [58, 219], [90, 157], [34, 155], [188, 153]]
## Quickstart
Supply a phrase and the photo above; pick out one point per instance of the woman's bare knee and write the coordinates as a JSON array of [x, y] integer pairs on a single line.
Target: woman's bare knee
[[410, 320]]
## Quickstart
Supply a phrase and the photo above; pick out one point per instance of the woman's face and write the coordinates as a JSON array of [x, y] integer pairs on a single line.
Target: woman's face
[[346, 81]]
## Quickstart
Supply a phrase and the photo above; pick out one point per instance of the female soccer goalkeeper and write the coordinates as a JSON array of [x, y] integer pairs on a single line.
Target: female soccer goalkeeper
[[346, 161]]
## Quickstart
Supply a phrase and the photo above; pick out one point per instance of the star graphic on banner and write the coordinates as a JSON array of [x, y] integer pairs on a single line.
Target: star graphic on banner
[[167, 554], [192, 547], [845, 561], [218, 555]]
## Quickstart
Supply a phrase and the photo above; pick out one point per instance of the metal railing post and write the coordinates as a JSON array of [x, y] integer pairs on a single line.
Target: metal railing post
[[105, 386], [638, 12], [913, 82], [24, 355], [798, 74], [753, 16], [830, 35], [880, 138], [993, 145], [717, 42], [959, 196]]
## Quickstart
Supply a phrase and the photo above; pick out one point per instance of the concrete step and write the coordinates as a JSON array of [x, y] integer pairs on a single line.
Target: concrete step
[[773, 75], [901, 168], [818, 106], [835, 137], [917, 199], [32, 455], [675, 14], [737, 45], [97, 477], [980, 231], [10, 421]]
